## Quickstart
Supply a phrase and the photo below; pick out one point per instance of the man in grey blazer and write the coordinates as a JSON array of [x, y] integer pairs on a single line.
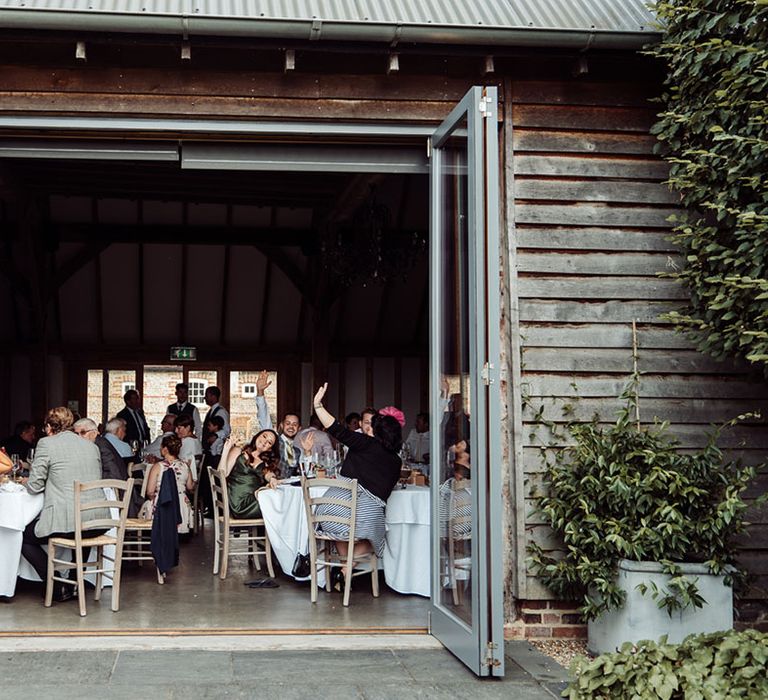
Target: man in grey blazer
[[61, 458]]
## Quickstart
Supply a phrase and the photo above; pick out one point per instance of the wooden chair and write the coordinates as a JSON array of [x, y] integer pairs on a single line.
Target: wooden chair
[[459, 532], [320, 553], [224, 525], [117, 508], [138, 536], [198, 522]]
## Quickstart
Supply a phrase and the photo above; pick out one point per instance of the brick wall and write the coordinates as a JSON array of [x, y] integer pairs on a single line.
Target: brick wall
[[546, 619]]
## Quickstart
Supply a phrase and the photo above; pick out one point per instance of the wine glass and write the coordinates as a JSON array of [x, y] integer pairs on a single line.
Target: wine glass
[[30, 455], [16, 467], [134, 446]]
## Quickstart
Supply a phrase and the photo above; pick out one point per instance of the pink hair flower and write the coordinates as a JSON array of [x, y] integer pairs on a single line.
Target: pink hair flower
[[396, 413]]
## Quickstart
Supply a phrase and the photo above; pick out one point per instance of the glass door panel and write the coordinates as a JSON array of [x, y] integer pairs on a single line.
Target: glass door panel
[[158, 392], [242, 403], [466, 612], [118, 382]]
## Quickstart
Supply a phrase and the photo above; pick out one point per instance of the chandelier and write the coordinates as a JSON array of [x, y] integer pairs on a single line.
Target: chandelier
[[368, 249]]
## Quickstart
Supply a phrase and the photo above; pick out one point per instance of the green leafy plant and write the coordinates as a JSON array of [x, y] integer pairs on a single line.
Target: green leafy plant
[[704, 667], [626, 492], [713, 131]]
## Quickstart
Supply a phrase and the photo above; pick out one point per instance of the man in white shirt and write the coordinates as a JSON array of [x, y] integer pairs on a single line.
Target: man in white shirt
[[183, 407], [167, 427], [418, 439], [114, 431], [289, 427]]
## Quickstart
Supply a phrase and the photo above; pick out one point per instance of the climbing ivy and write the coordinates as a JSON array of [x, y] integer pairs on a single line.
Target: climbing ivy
[[713, 133]]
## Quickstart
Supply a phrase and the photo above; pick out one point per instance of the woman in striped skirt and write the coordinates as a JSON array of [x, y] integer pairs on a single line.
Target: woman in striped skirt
[[375, 463]]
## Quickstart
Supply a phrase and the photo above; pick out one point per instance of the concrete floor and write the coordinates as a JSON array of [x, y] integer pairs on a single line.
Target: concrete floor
[[194, 599]]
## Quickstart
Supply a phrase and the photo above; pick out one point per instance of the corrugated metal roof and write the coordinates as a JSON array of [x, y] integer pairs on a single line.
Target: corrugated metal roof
[[577, 23], [598, 15]]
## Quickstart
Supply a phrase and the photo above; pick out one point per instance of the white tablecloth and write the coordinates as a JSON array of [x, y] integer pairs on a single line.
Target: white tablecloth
[[406, 555], [17, 510], [406, 550]]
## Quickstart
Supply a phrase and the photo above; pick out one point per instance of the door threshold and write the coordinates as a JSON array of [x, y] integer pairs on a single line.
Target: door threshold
[[239, 641], [213, 632]]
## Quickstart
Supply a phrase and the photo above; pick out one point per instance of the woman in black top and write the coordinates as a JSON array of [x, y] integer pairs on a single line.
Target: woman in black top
[[375, 463]]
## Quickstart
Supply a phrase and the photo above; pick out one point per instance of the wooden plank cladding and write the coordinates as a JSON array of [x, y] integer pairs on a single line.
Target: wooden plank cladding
[[591, 241]]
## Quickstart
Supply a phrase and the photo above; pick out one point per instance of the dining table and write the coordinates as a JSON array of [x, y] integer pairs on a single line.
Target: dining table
[[18, 508], [406, 560]]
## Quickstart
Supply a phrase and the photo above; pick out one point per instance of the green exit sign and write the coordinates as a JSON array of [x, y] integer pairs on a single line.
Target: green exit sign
[[184, 353]]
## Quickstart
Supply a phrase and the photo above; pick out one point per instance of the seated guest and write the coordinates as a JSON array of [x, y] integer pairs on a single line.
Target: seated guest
[[191, 447], [167, 426], [352, 421], [418, 439], [374, 461], [287, 431], [321, 441], [248, 470], [366, 419], [112, 464], [114, 431], [216, 435], [169, 453], [455, 494], [61, 458], [22, 440]]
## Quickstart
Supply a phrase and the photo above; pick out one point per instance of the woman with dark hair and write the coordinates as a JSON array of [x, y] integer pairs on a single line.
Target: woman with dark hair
[[248, 470], [375, 463], [169, 454], [191, 447]]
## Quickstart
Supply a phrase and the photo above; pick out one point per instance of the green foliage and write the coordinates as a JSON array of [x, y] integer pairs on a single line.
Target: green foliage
[[625, 492], [714, 133], [716, 666]]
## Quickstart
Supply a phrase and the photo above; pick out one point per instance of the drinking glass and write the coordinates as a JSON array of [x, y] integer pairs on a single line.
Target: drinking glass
[[134, 446], [16, 467], [31, 455]]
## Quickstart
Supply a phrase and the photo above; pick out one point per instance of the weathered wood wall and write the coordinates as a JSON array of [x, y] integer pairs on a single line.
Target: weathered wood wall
[[590, 235]]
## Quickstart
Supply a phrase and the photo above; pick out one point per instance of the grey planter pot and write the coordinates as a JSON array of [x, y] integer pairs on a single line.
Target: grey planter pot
[[641, 618]]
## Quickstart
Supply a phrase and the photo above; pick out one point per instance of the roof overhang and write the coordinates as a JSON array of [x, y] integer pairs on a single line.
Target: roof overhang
[[622, 24]]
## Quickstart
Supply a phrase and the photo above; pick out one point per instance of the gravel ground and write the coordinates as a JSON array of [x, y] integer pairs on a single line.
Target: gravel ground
[[561, 650]]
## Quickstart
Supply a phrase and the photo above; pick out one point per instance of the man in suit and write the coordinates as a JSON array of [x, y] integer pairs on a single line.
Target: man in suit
[[61, 458], [182, 407], [209, 438], [136, 427], [112, 464]]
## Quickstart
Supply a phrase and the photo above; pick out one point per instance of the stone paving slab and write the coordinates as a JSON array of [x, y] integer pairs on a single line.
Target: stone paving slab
[[360, 674]]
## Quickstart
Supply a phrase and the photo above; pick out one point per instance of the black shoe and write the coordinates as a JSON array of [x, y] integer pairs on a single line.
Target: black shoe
[[63, 592], [337, 580]]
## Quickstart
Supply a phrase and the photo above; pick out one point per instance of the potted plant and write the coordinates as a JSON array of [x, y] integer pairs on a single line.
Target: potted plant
[[648, 529]]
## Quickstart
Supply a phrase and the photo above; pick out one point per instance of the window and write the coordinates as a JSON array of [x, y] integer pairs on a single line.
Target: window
[[197, 391], [128, 386], [249, 390]]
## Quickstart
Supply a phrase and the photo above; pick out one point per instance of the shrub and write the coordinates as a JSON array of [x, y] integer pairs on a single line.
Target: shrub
[[625, 492], [715, 666]]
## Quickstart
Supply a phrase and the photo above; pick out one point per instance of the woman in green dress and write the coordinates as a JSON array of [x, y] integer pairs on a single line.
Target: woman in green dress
[[248, 470]]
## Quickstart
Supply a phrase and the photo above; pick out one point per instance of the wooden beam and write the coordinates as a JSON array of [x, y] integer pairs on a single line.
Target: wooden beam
[[183, 296], [224, 296], [79, 260], [168, 233], [265, 302], [290, 269], [140, 291], [99, 301]]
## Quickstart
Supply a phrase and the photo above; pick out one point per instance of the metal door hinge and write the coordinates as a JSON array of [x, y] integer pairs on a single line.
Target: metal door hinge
[[485, 107], [485, 374], [490, 655]]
